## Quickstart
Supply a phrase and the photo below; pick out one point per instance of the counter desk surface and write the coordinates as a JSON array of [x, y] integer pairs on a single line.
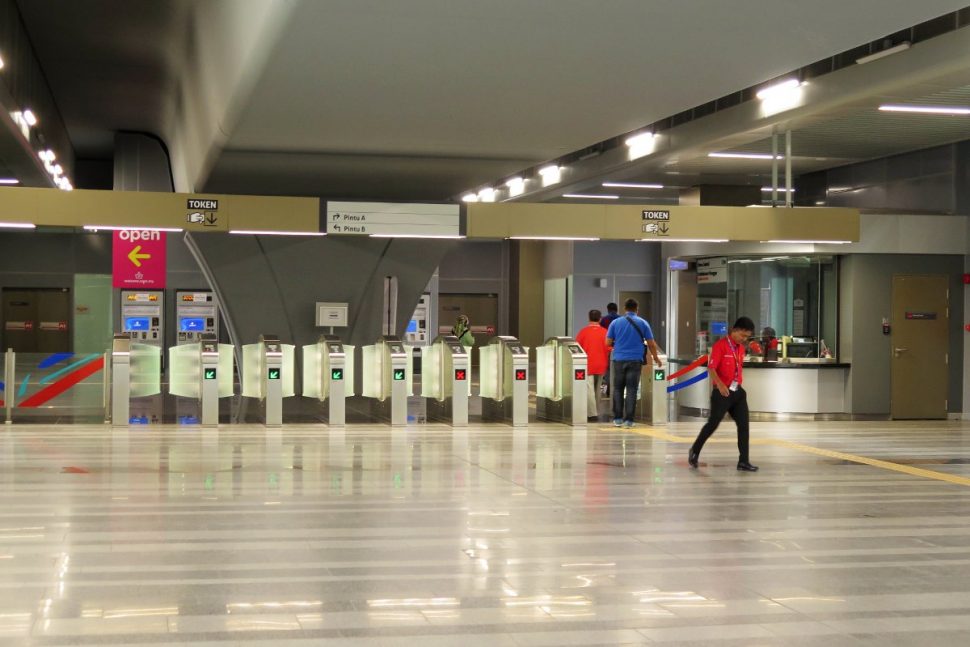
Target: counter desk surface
[[777, 391]]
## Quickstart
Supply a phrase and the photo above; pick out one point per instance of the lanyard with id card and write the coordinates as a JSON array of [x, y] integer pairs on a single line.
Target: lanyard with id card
[[735, 383]]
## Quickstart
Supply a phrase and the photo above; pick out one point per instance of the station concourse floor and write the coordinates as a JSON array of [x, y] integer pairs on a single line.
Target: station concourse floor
[[851, 534]]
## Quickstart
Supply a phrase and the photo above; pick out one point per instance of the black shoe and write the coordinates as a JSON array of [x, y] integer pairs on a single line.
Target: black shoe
[[692, 457], [747, 467]]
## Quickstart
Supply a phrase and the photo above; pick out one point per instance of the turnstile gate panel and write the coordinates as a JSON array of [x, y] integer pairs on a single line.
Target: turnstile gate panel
[[203, 371], [504, 378], [561, 381], [445, 376], [328, 375], [387, 378]]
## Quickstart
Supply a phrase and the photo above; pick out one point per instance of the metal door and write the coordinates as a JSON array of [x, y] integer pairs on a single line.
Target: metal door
[[37, 320], [919, 346]]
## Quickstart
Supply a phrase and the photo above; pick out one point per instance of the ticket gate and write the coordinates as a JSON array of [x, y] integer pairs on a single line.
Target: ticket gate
[[504, 371], [561, 381], [268, 368], [387, 378], [328, 376], [135, 373], [203, 371], [652, 407], [446, 380]]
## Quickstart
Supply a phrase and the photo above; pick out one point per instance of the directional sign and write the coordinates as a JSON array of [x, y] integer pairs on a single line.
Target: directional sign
[[398, 374], [520, 375], [209, 374], [392, 219], [461, 375], [580, 374], [272, 374], [138, 259], [659, 375], [336, 374]]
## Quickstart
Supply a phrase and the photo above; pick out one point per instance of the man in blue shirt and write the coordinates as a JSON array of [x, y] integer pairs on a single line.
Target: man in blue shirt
[[628, 335]]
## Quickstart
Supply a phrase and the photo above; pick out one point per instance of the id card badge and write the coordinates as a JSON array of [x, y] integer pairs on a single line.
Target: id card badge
[[734, 386]]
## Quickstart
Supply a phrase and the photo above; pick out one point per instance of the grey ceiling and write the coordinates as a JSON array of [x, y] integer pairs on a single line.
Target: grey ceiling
[[421, 99]]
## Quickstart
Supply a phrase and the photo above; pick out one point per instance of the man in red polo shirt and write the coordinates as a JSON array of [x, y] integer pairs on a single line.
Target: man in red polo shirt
[[592, 339], [725, 368]]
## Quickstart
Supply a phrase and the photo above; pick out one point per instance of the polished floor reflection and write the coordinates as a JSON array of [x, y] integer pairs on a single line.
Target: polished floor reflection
[[851, 534]]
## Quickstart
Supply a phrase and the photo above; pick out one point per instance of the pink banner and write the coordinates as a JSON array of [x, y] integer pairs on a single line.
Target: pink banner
[[138, 259]]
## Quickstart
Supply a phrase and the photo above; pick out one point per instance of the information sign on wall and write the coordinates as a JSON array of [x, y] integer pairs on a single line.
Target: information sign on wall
[[138, 259]]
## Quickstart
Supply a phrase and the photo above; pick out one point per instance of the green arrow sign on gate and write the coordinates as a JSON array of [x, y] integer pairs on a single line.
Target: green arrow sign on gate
[[336, 374], [398, 374], [273, 374], [210, 374]]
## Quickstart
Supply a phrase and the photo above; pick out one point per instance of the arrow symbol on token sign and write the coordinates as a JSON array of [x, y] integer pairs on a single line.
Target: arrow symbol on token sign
[[210, 219], [135, 257], [664, 229]]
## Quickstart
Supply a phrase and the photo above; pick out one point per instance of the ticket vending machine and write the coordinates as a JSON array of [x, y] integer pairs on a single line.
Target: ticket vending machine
[[142, 316], [196, 313]]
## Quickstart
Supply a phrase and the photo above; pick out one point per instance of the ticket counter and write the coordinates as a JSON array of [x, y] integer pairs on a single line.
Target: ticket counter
[[777, 388]]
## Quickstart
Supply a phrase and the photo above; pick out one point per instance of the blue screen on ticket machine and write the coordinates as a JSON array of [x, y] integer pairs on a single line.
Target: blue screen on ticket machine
[[137, 324], [192, 324]]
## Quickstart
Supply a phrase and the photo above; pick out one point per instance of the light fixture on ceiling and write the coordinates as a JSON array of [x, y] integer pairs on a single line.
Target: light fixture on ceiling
[[17, 225], [47, 155], [30, 117], [469, 197], [486, 195], [809, 242], [745, 156], [254, 232], [931, 110], [129, 228], [631, 185], [1, 63], [551, 238], [590, 196], [9, 180], [780, 189], [781, 96], [889, 51], [516, 186], [550, 174], [682, 240], [640, 145], [778, 88]]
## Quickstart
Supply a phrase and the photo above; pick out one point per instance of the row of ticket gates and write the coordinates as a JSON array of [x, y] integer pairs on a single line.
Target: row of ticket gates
[[204, 370]]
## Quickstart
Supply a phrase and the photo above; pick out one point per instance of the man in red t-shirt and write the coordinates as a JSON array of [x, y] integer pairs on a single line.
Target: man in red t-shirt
[[725, 368], [592, 339]]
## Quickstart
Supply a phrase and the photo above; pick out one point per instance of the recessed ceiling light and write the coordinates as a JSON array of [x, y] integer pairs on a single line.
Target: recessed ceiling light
[[812, 242], [640, 145], [469, 197], [17, 225], [1, 62], [933, 110], [516, 186], [745, 156], [883, 54], [254, 232], [768, 189], [590, 196], [128, 228], [30, 117], [447, 236], [9, 180], [487, 195], [632, 185], [549, 238], [682, 240]]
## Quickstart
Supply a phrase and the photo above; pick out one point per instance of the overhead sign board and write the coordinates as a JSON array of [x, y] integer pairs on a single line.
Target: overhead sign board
[[138, 259], [391, 219]]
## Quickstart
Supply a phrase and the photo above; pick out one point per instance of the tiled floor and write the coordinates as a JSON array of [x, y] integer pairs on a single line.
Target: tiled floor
[[852, 534]]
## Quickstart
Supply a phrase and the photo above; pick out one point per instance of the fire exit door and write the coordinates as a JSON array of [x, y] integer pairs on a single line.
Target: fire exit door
[[37, 320], [920, 346]]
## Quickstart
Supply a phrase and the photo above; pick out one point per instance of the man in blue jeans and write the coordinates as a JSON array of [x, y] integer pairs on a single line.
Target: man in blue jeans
[[628, 335]]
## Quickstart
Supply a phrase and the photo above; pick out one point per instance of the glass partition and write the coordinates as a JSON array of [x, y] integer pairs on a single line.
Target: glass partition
[[63, 383], [792, 299]]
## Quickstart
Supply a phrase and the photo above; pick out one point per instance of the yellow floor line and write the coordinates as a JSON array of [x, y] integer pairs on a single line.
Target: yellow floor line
[[808, 449]]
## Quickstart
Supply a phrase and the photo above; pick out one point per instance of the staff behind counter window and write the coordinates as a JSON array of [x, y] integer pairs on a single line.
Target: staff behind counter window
[[766, 345]]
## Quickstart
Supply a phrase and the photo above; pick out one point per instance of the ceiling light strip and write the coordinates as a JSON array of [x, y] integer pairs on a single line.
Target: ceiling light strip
[[631, 185], [590, 196], [931, 110], [254, 232], [129, 228], [550, 238], [17, 225]]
